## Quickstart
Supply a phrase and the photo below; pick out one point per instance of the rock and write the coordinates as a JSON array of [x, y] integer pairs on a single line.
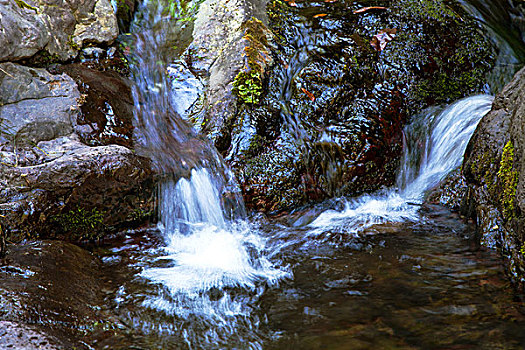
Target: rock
[[53, 184], [125, 12], [55, 287], [60, 28], [106, 108], [35, 105], [15, 335], [23, 32], [332, 108], [218, 53], [450, 193], [98, 26], [494, 168]]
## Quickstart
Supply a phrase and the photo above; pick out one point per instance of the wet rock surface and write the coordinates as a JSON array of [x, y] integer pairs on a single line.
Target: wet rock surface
[[494, 169], [218, 53], [52, 182], [332, 111], [57, 28], [106, 106], [451, 192], [22, 337], [50, 290]]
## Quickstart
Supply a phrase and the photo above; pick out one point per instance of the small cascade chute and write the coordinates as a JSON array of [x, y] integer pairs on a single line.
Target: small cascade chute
[[189, 201], [433, 146]]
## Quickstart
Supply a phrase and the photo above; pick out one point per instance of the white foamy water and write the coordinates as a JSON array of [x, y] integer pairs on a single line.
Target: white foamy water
[[214, 257], [434, 146], [206, 256]]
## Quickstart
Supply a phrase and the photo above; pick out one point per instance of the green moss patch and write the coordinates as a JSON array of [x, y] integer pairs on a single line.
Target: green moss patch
[[81, 223], [247, 85], [508, 178]]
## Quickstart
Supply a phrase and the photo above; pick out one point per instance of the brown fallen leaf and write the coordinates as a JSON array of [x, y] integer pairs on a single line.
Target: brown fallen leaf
[[309, 94], [292, 3], [370, 8], [330, 1], [382, 38], [320, 15]]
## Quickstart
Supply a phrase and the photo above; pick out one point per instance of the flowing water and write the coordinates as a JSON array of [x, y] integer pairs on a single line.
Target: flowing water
[[376, 272], [382, 271]]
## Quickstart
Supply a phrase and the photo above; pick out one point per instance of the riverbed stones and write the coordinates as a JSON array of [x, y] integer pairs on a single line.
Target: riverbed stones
[[57, 27], [494, 168], [51, 182]]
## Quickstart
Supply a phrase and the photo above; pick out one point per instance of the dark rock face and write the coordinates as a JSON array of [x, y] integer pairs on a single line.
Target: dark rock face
[[52, 183], [125, 11], [331, 115], [494, 168], [451, 192], [106, 106]]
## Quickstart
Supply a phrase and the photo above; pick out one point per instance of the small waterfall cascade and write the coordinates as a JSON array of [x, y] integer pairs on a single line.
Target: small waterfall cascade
[[192, 201], [209, 249], [434, 144], [214, 266], [207, 190], [430, 153]]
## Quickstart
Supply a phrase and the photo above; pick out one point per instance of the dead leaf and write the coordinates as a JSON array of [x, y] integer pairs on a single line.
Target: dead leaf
[[309, 94], [370, 8], [320, 15], [382, 38], [292, 3]]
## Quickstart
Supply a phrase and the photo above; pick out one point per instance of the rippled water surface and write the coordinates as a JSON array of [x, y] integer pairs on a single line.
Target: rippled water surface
[[418, 285]]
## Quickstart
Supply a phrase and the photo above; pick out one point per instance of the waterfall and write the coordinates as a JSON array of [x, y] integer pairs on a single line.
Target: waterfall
[[209, 251], [434, 145]]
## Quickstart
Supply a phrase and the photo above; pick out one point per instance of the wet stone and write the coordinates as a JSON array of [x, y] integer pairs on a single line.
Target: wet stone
[[106, 106], [17, 336]]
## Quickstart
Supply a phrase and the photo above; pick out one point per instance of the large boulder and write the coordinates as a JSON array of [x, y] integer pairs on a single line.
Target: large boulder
[[224, 34], [35, 105], [494, 168], [57, 29], [52, 183]]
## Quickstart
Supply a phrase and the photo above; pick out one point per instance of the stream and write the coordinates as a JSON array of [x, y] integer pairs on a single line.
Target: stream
[[380, 271]]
